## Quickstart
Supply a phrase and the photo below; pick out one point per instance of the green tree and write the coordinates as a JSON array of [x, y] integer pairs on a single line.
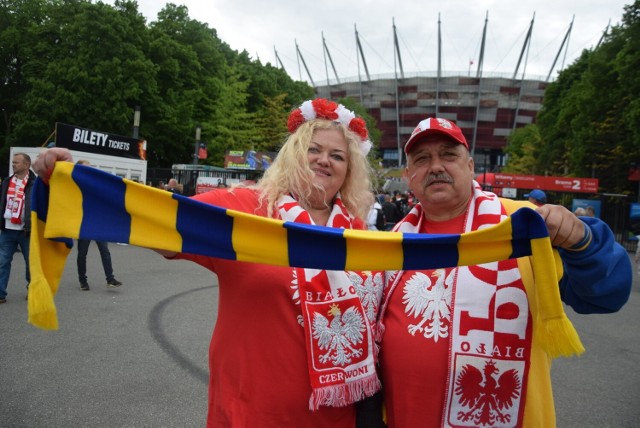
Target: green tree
[[555, 120], [190, 68], [19, 23], [75, 79], [266, 81], [90, 64], [522, 150], [233, 127], [589, 123], [272, 122]]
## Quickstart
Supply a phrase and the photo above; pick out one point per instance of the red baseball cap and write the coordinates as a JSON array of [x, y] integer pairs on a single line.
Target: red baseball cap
[[433, 126]]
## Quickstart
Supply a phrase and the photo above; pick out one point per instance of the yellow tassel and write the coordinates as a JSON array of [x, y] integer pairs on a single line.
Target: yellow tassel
[[558, 337], [47, 259], [553, 330], [42, 311]]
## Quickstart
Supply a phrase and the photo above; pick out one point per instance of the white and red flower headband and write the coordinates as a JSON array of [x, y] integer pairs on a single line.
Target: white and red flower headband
[[321, 108]]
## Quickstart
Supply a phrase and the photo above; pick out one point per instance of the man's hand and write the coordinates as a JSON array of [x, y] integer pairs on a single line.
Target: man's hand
[[565, 229], [43, 166]]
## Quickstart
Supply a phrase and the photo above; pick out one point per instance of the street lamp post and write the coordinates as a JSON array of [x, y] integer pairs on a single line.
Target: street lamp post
[[486, 152], [136, 122], [195, 152]]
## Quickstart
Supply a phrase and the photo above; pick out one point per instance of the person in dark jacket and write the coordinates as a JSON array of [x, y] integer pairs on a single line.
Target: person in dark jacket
[[391, 212], [16, 205], [105, 256]]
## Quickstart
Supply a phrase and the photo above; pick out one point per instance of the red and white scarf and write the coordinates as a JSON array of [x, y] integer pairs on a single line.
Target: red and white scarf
[[14, 210], [339, 312], [491, 333]]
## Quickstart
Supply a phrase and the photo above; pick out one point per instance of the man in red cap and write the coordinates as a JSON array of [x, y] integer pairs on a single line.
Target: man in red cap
[[458, 347]]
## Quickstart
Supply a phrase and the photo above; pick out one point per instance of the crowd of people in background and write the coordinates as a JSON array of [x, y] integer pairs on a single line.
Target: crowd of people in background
[[394, 206], [171, 186]]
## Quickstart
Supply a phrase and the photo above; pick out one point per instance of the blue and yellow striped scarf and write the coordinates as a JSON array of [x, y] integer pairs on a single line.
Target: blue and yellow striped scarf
[[85, 203]]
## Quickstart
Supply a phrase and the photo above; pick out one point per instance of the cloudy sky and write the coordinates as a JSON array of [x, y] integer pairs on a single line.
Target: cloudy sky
[[262, 27]]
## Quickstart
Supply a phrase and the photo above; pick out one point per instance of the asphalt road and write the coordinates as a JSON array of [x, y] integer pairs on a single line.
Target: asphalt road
[[136, 356]]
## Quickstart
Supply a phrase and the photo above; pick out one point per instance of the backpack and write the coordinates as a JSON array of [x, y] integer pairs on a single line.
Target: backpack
[[380, 220]]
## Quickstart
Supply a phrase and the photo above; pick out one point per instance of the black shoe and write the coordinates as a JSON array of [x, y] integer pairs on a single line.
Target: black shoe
[[3, 300], [84, 286], [113, 283]]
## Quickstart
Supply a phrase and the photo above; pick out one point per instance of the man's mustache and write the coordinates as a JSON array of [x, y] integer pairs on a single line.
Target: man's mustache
[[446, 178]]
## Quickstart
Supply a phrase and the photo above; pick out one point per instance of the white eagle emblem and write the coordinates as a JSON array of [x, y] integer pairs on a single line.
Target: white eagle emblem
[[444, 123], [432, 302], [339, 336], [369, 291]]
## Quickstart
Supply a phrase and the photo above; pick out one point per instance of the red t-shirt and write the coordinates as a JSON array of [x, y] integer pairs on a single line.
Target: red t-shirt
[[414, 367], [257, 357]]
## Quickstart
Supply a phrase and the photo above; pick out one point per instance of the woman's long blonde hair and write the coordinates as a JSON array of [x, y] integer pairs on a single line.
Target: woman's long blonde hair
[[290, 171]]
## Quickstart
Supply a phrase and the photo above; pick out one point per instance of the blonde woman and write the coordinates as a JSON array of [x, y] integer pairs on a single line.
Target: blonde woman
[[267, 363]]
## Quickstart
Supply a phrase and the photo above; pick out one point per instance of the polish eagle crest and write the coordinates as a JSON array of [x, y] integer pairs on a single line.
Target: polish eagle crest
[[430, 302], [487, 395], [369, 291], [340, 336]]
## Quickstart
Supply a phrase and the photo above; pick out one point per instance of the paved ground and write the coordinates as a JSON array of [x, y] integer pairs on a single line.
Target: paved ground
[[137, 356]]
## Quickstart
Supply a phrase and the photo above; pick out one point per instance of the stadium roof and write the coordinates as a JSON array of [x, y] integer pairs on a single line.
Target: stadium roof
[[400, 60]]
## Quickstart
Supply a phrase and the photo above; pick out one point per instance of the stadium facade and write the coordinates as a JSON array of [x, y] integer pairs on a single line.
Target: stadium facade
[[488, 108]]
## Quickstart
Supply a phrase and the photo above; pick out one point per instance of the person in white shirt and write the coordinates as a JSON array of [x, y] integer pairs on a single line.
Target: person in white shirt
[[372, 217], [15, 201]]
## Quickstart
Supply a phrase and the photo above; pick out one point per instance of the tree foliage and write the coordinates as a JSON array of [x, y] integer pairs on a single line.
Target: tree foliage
[[90, 64], [522, 150], [589, 125]]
